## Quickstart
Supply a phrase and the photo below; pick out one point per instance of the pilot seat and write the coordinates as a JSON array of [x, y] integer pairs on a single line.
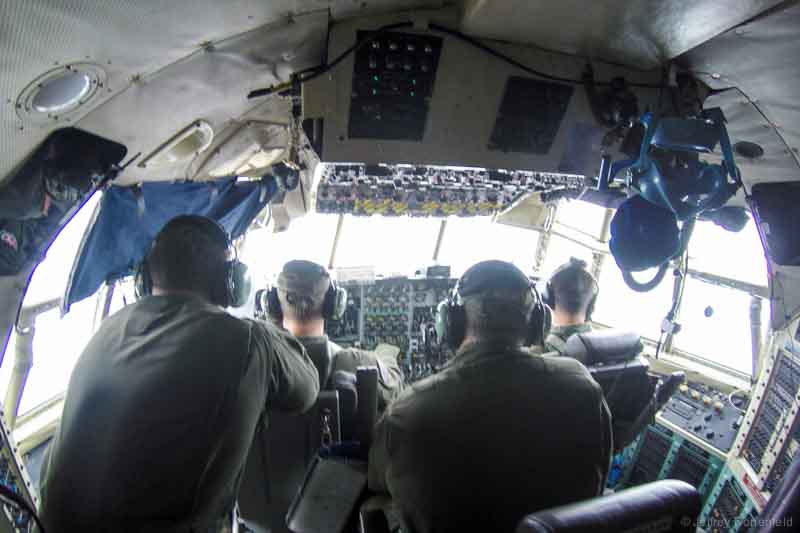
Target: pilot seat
[[632, 393], [285, 445]]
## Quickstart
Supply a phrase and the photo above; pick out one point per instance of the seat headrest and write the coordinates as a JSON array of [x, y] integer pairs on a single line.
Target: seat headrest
[[604, 347], [341, 379], [668, 505]]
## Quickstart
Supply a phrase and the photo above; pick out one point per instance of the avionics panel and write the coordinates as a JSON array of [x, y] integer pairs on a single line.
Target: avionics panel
[[706, 413], [661, 453], [771, 425], [397, 311], [431, 191], [479, 110], [14, 476], [728, 508]]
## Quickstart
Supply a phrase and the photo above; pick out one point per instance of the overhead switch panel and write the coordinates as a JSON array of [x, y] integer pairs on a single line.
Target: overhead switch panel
[[393, 78]]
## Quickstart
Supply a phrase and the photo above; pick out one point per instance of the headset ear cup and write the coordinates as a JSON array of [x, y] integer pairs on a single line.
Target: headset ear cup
[[142, 283], [458, 326], [547, 323], [274, 310], [548, 297], [590, 307], [240, 284], [335, 302], [442, 321], [340, 303], [540, 320]]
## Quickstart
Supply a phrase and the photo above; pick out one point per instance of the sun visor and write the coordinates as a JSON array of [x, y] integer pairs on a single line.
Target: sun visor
[[61, 170], [46, 191], [775, 209], [130, 217]]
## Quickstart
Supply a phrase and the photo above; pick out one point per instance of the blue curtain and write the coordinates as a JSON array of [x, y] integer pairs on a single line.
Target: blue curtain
[[130, 217]]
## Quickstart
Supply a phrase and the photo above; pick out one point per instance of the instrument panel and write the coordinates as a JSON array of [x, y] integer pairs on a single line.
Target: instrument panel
[[661, 453], [431, 190], [13, 476], [705, 413], [397, 311]]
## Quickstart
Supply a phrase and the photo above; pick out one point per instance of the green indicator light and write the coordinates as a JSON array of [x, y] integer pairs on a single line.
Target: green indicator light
[[376, 78], [374, 92], [413, 93], [413, 82]]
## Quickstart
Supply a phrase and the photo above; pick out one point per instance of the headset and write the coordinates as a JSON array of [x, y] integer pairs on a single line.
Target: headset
[[334, 304], [451, 318], [230, 291], [572, 266]]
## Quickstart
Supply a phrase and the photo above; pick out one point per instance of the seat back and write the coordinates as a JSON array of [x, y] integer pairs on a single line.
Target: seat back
[[629, 390], [278, 460], [604, 347], [664, 506], [345, 384], [367, 413], [613, 359]]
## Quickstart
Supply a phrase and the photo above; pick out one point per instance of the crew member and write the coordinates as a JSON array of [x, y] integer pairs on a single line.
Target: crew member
[[571, 293], [499, 433], [163, 402], [304, 298]]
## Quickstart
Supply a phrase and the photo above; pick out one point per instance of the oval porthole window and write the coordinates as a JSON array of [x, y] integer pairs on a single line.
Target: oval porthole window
[[62, 93]]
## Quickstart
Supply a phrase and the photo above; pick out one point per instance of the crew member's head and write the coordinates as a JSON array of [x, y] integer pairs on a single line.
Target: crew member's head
[[302, 287], [190, 255], [571, 292], [493, 302]]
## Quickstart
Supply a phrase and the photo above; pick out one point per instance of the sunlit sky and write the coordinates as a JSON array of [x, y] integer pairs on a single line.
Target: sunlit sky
[[395, 245]]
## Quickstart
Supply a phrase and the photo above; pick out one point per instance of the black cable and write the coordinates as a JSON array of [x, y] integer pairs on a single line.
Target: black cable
[[499, 55], [637, 286], [316, 72], [15, 499], [660, 342]]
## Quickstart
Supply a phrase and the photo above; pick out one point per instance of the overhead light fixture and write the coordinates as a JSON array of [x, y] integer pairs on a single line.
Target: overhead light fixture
[[246, 148], [186, 144], [62, 93], [58, 94]]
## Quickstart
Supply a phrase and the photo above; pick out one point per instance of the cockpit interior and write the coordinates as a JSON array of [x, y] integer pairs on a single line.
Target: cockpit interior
[[397, 143]]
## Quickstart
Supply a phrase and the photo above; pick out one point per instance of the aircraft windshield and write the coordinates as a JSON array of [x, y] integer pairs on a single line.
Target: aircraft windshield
[[715, 319], [58, 341]]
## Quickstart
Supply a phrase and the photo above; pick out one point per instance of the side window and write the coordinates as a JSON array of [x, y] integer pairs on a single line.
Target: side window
[[559, 251], [621, 307], [716, 324], [57, 340]]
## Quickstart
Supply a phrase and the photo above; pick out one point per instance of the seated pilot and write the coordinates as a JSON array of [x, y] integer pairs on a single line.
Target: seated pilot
[[499, 433], [304, 298], [571, 293], [163, 402]]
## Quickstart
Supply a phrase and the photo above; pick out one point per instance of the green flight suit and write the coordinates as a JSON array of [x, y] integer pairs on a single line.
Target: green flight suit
[[498, 434], [160, 413], [557, 339], [329, 357]]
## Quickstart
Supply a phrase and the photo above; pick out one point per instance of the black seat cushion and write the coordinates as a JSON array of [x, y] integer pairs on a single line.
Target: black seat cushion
[[665, 506]]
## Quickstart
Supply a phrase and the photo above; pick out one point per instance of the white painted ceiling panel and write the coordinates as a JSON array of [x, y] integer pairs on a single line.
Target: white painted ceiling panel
[[639, 33], [125, 37], [210, 85]]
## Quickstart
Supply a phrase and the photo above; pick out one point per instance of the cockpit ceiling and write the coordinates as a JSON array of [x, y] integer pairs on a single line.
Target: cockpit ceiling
[[160, 67], [635, 33], [758, 60], [155, 81]]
